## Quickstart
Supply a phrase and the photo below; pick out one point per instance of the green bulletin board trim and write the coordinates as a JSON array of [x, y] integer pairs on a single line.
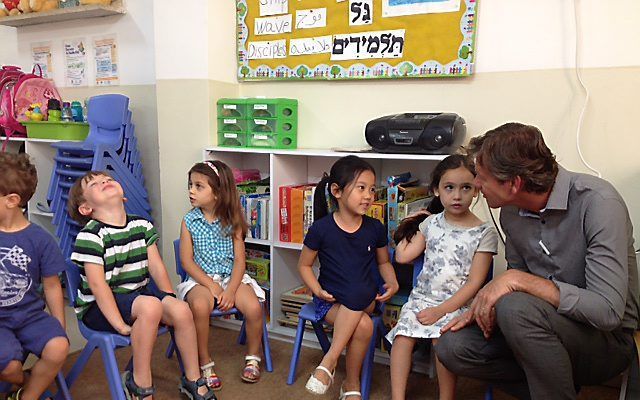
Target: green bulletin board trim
[[438, 45]]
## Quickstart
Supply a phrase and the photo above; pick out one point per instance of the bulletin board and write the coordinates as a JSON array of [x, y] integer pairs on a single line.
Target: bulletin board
[[355, 39]]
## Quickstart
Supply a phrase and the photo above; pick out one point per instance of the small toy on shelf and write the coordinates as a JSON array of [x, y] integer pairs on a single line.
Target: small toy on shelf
[[11, 6], [34, 112], [43, 5]]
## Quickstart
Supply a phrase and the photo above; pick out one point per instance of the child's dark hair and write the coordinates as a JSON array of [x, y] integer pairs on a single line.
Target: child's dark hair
[[19, 176], [227, 207], [343, 172], [76, 196], [409, 226]]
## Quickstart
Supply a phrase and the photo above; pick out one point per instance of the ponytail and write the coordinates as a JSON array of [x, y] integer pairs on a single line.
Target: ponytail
[[320, 200]]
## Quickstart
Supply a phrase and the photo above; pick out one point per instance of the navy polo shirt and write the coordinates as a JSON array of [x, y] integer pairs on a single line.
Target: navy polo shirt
[[348, 260]]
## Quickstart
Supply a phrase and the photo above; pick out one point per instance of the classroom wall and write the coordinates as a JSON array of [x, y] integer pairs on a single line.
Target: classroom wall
[[525, 72], [135, 41]]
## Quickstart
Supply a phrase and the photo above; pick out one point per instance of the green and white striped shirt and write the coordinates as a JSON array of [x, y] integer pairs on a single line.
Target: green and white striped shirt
[[121, 250]]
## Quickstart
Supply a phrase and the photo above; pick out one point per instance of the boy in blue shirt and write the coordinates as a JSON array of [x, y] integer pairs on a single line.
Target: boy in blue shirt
[[29, 256]]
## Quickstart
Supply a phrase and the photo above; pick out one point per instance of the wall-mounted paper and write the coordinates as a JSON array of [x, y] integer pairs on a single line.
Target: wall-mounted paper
[[106, 57], [273, 25], [366, 45], [360, 12], [273, 7], [312, 45], [311, 18], [269, 49], [41, 56], [395, 8], [75, 62]]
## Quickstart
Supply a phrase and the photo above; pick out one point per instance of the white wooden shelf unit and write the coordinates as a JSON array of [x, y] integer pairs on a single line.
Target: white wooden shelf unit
[[286, 167]]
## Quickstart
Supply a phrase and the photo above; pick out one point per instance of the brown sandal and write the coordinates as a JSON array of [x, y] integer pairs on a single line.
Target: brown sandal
[[251, 371]]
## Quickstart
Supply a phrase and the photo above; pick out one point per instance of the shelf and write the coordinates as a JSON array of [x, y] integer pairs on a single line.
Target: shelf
[[327, 153], [64, 14], [35, 140], [258, 241], [288, 245]]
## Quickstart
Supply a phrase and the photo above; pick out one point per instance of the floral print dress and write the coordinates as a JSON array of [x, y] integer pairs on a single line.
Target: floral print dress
[[447, 261]]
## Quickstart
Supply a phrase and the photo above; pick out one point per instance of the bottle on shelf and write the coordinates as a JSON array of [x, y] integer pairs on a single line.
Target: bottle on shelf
[[67, 114], [53, 110], [76, 111], [85, 110]]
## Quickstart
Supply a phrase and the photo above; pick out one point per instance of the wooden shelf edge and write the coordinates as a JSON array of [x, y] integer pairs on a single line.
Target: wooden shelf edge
[[64, 14]]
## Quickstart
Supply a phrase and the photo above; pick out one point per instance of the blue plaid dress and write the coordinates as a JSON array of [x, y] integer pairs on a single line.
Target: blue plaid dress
[[212, 244]]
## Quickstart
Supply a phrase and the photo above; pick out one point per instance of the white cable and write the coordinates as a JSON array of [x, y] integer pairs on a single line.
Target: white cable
[[586, 99]]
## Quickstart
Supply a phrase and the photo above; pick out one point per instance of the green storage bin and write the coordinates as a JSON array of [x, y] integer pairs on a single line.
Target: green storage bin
[[232, 125], [233, 108], [273, 108], [260, 125], [277, 141], [232, 139], [57, 130]]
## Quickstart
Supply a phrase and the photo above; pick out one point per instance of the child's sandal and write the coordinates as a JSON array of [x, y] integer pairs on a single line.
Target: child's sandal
[[132, 391], [190, 389], [14, 395], [213, 380], [251, 371]]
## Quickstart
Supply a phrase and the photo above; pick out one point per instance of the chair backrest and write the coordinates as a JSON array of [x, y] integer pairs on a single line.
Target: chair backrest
[[108, 115], [179, 270], [72, 274]]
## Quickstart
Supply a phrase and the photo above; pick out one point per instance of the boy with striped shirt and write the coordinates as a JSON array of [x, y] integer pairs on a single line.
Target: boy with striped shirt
[[117, 256]]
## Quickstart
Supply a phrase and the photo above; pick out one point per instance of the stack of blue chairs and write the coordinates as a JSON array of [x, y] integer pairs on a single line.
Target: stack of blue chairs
[[110, 146]]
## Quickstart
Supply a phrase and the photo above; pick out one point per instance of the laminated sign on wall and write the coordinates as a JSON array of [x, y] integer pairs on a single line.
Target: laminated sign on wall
[[355, 39]]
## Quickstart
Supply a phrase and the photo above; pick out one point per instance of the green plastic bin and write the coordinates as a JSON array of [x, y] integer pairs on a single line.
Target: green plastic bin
[[232, 139], [56, 130]]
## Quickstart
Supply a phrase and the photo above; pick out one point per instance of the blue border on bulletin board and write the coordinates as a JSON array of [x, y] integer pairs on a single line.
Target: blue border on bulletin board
[[462, 66]]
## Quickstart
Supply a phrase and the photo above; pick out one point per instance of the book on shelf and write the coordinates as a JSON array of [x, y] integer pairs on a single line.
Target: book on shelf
[[292, 212], [298, 294]]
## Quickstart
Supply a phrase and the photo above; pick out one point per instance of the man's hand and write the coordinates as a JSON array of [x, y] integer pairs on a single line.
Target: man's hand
[[430, 315], [483, 305]]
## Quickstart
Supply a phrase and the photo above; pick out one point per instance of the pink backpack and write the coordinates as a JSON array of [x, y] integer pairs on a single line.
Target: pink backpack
[[18, 91]]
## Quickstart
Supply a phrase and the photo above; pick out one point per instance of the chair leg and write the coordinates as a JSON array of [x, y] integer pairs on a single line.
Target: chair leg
[[367, 365], [112, 371], [488, 395], [63, 391], [242, 337], [266, 346], [171, 347], [322, 336], [295, 355], [80, 363]]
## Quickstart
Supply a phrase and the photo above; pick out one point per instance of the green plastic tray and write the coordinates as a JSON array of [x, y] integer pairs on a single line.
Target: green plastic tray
[[56, 130]]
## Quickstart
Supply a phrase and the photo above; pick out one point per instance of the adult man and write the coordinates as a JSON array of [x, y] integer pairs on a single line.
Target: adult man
[[564, 312]]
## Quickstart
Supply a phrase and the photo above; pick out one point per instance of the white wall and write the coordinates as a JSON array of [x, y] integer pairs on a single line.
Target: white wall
[[135, 41]]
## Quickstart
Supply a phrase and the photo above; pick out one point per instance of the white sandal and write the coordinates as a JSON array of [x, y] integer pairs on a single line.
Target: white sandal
[[344, 395], [315, 386]]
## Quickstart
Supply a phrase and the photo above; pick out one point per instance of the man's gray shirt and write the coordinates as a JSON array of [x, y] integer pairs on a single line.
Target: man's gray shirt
[[583, 241]]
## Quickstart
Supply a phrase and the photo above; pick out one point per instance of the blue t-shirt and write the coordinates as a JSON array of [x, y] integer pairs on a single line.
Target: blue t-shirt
[[25, 257], [348, 260]]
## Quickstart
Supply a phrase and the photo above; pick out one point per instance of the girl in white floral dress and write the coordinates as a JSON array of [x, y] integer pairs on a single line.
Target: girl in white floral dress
[[458, 249]]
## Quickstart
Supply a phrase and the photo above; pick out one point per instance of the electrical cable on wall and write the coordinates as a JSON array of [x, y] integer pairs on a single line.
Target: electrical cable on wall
[[586, 99]]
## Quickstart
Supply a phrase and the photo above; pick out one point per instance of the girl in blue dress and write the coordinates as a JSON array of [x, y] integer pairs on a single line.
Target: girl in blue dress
[[350, 245]]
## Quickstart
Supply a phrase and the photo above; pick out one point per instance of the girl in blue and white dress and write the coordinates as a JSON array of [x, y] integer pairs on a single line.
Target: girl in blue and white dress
[[458, 249]]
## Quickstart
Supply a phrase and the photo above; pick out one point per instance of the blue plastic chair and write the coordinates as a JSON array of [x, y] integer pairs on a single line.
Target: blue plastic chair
[[308, 313], [216, 313], [62, 393], [106, 342]]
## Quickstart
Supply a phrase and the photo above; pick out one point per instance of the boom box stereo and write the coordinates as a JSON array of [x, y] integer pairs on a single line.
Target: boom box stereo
[[420, 133]]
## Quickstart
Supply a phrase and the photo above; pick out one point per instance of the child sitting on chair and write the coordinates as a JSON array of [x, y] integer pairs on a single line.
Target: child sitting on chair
[[212, 253], [29, 256], [117, 256]]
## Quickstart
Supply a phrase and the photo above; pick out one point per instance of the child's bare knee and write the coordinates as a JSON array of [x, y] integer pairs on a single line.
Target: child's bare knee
[[253, 312], [148, 307], [56, 350], [201, 307], [365, 327], [181, 313]]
